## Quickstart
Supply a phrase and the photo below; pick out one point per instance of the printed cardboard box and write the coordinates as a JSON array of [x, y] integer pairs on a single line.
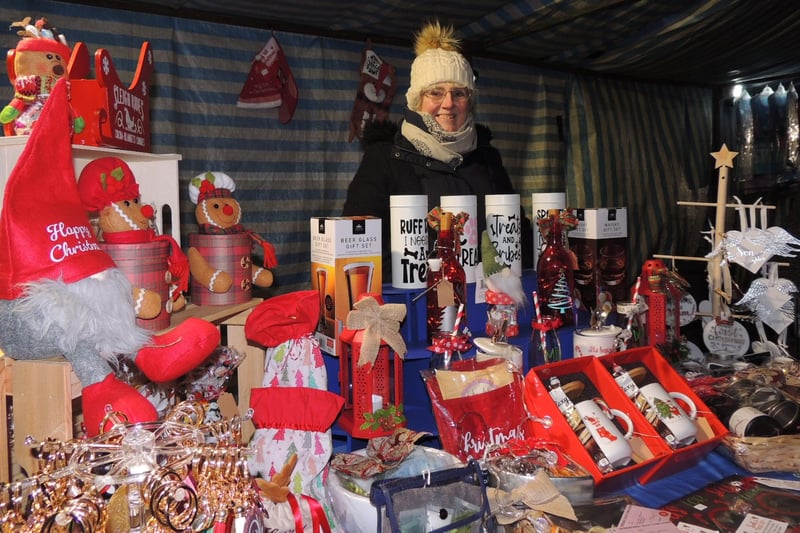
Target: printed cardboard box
[[600, 242], [345, 263]]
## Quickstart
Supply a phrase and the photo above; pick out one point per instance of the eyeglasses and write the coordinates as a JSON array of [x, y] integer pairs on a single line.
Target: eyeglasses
[[437, 94]]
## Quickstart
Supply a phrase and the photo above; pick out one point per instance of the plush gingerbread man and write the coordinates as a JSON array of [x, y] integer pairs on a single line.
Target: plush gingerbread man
[[39, 60], [108, 187], [60, 293], [218, 213]]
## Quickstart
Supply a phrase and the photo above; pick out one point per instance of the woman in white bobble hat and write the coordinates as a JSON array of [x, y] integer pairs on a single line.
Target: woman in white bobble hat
[[438, 149]]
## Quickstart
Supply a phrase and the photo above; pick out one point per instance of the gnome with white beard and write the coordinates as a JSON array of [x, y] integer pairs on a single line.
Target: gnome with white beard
[[504, 293], [61, 294]]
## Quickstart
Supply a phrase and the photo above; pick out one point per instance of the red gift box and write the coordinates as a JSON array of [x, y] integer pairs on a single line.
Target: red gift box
[[711, 429], [665, 460], [649, 449]]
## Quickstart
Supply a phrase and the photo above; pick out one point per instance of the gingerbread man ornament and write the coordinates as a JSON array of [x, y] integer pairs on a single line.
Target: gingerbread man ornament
[[109, 189], [219, 213]]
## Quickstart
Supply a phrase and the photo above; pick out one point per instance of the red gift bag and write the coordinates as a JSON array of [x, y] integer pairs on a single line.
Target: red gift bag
[[478, 404]]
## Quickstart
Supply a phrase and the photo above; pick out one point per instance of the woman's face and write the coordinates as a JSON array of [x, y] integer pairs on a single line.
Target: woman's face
[[448, 104]]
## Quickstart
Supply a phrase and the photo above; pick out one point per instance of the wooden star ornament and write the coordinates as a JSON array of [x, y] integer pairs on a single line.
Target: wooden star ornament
[[724, 157]]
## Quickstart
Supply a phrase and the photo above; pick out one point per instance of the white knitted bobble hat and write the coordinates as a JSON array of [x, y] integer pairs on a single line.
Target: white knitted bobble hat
[[438, 61]]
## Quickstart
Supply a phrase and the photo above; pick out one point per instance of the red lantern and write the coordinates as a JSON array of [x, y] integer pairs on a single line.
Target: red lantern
[[657, 292], [373, 392]]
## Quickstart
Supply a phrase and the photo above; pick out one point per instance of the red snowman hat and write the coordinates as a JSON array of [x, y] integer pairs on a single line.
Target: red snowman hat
[[44, 229], [106, 181]]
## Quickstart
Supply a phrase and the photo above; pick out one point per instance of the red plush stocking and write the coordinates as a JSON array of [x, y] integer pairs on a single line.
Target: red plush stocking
[[173, 354]]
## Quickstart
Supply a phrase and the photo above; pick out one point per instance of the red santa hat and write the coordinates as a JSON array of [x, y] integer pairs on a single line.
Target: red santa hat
[[106, 181], [270, 82], [43, 44], [44, 229]]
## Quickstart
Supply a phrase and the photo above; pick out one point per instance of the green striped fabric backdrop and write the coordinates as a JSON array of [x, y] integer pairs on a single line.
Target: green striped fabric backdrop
[[606, 142]]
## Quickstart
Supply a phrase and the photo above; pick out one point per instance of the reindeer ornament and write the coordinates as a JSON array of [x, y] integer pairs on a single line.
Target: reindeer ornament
[[34, 66]]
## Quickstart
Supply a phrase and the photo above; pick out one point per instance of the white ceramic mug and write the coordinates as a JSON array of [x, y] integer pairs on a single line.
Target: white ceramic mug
[[597, 342], [608, 437], [679, 423]]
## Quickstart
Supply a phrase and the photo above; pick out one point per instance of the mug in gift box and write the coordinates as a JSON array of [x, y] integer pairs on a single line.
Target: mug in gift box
[[598, 418], [680, 424], [658, 405]]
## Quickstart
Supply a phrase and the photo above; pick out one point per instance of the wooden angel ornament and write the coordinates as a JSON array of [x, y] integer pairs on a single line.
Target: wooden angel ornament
[[220, 253]]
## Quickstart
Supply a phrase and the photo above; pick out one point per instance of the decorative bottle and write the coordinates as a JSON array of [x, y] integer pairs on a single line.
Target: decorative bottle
[[554, 274], [446, 281]]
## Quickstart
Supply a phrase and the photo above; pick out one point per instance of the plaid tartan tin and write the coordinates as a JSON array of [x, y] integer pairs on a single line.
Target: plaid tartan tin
[[145, 265], [231, 253]]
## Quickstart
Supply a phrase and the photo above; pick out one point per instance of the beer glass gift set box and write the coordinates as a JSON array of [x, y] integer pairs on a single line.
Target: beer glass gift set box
[[345, 263], [600, 244]]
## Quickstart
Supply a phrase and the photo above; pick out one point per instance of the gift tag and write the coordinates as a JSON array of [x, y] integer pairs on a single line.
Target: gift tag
[[726, 339], [445, 297]]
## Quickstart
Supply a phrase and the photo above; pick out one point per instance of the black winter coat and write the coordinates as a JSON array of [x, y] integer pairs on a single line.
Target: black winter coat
[[392, 166]]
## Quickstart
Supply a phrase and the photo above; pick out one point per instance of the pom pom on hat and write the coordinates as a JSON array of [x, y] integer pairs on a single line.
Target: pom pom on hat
[[438, 60]]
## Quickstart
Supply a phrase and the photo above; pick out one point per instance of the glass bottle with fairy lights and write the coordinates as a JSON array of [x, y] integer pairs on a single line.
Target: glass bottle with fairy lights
[[555, 270], [446, 281]]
